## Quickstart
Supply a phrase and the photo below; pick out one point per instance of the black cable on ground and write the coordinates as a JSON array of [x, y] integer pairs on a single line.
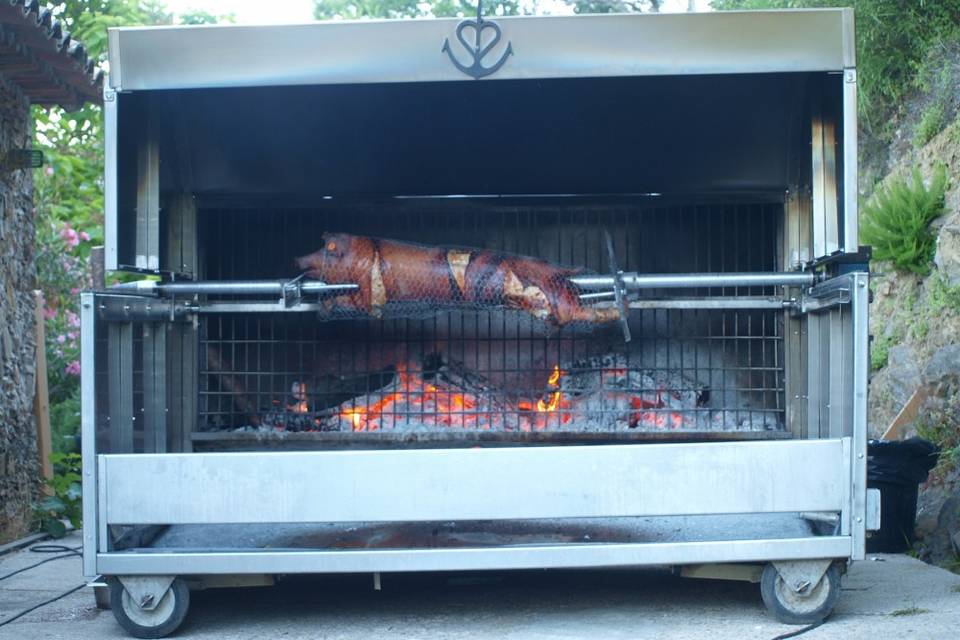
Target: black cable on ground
[[42, 604], [46, 548], [794, 634]]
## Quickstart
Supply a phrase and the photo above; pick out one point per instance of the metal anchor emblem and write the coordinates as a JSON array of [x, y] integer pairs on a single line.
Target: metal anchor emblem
[[476, 51]]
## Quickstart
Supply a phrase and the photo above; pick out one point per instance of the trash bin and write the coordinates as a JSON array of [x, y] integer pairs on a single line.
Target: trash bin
[[896, 468]]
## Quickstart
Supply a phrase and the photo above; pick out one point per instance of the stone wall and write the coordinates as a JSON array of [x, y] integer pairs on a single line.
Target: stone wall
[[18, 449]]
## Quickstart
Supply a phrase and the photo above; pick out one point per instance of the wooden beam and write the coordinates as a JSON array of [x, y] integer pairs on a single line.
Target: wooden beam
[[907, 414], [41, 398]]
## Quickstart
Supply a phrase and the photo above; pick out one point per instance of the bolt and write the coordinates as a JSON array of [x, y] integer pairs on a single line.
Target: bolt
[[860, 455], [859, 519], [801, 586], [146, 600]]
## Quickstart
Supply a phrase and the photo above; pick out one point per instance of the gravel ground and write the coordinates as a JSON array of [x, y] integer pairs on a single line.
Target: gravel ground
[[885, 597]]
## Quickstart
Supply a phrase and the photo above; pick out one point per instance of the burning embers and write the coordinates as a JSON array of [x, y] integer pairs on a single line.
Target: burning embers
[[592, 395]]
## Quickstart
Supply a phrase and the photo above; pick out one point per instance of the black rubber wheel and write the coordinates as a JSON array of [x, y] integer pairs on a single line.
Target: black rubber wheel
[[809, 606], [156, 623]]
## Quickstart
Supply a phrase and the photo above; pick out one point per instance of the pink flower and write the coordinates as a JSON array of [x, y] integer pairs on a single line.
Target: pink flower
[[70, 236], [61, 339], [73, 319], [48, 171], [74, 291], [72, 369], [84, 236], [71, 335], [49, 313]]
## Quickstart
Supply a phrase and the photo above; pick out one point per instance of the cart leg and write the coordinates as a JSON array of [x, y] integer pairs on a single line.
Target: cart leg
[[149, 606], [800, 592], [101, 596]]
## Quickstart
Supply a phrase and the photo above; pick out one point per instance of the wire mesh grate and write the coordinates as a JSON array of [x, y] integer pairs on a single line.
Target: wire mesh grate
[[498, 369]]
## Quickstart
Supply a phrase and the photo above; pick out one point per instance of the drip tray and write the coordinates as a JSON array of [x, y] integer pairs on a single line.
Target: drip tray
[[426, 535], [269, 440]]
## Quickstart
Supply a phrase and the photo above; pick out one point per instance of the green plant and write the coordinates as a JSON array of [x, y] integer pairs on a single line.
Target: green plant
[[941, 426], [881, 345], [931, 123], [942, 295], [897, 220], [65, 499]]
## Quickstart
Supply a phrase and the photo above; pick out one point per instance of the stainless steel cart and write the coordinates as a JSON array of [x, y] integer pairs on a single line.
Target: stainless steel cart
[[720, 151]]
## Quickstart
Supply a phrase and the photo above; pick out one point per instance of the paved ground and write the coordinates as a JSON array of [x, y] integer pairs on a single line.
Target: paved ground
[[888, 597]]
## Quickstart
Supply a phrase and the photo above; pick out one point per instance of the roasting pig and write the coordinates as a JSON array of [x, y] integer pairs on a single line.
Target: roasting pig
[[388, 271]]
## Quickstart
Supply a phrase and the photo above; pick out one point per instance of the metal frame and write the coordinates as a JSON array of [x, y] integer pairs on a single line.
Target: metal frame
[[544, 47]]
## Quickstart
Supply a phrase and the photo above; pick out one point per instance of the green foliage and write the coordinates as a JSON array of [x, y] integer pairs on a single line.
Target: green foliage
[[941, 426], [893, 40], [880, 351], [64, 501], [941, 295], [354, 9], [931, 123], [897, 220], [68, 201], [198, 16]]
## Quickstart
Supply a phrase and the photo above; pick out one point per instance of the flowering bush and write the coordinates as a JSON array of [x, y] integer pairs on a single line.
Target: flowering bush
[[64, 206]]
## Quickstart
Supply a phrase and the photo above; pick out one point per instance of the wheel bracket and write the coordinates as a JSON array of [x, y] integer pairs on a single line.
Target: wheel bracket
[[802, 575], [146, 591]]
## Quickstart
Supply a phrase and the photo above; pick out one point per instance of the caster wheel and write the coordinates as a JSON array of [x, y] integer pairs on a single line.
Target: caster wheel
[[808, 606], [158, 622]]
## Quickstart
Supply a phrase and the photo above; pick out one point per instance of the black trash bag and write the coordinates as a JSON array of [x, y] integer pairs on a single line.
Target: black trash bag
[[897, 468]]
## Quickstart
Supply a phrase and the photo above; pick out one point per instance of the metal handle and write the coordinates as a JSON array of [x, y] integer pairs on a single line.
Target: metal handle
[[636, 281], [231, 287]]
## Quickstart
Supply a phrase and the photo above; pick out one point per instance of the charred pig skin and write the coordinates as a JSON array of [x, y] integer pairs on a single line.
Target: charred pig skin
[[389, 271]]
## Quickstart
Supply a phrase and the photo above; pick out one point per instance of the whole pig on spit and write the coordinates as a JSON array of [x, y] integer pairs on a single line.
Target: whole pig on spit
[[388, 271]]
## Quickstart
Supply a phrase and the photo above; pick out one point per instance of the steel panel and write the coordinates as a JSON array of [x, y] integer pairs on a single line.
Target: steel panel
[[410, 50], [110, 237], [88, 426], [860, 311], [476, 484], [851, 191], [518, 557]]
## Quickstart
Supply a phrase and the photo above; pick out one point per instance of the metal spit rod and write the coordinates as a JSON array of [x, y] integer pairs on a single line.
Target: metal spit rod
[[233, 287], [634, 281]]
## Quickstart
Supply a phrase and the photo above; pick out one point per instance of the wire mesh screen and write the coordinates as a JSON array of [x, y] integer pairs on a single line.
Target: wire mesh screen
[[498, 367]]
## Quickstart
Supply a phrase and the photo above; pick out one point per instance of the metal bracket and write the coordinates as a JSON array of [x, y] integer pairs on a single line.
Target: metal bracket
[[146, 591], [121, 308], [802, 575], [829, 294], [618, 291]]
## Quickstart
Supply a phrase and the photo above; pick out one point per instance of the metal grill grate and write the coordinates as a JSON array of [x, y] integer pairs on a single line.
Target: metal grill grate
[[686, 369]]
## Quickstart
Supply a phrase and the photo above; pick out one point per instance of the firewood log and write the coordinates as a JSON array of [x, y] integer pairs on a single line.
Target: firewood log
[[388, 271]]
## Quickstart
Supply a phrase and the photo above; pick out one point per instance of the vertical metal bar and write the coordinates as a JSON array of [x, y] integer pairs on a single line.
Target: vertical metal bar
[[154, 387], [837, 327], [103, 530], [830, 195], [88, 425], [859, 317], [148, 205], [818, 172], [110, 185], [814, 373], [851, 229], [120, 355]]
